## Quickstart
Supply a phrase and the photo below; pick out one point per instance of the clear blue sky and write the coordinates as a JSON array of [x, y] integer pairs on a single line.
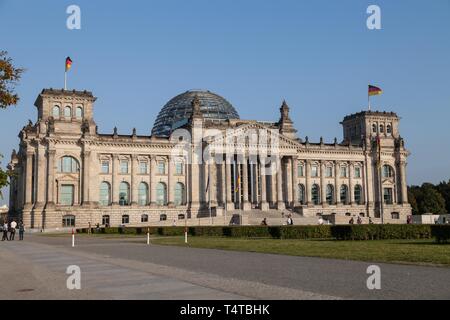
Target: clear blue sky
[[318, 55]]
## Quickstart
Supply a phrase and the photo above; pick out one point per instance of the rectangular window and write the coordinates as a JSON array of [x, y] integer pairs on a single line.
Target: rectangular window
[[329, 172], [161, 167], [357, 172], [67, 195], [105, 166], [124, 166], [68, 221], [178, 168], [105, 220], [300, 170], [395, 215], [143, 167], [314, 171], [343, 172], [125, 219], [387, 195]]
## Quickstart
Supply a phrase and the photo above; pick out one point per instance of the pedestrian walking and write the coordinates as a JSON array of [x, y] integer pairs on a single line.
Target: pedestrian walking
[[352, 221], [12, 232], [264, 222], [5, 231], [21, 230], [359, 221]]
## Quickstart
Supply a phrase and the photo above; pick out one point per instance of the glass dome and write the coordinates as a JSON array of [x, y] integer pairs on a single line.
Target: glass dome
[[179, 109]]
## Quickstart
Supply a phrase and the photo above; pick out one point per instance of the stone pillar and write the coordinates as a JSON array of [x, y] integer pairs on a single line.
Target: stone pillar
[[369, 180], [86, 177], [223, 181], [195, 179], [40, 182], [228, 186], [264, 203], [308, 182], [29, 179], [280, 202], [337, 188], [134, 180], [51, 178], [288, 183], [294, 182], [115, 180], [404, 186], [153, 181], [246, 203], [323, 187], [213, 182], [171, 182], [351, 183]]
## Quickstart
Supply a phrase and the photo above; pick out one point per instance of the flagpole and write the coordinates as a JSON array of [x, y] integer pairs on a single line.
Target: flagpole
[[65, 80], [368, 98]]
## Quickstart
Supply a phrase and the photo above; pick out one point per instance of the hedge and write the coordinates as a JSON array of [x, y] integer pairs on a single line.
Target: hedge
[[339, 232]]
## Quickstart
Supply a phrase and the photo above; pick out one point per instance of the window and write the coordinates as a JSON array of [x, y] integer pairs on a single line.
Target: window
[[348, 214], [161, 194], [344, 194], [301, 194], [68, 221], [56, 112], [387, 195], [143, 194], [68, 112], [315, 194], [68, 165], [388, 172], [389, 129], [329, 172], [163, 217], [79, 113], [105, 220], [125, 219], [67, 192], [179, 194], [374, 128], [124, 194], [178, 167], [300, 171], [124, 166], [381, 128], [343, 172], [361, 214], [181, 216], [358, 194], [144, 218], [314, 171], [330, 192], [105, 194], [161, 167], [142, 167], [357, 172], [395, 215], [105, 166]]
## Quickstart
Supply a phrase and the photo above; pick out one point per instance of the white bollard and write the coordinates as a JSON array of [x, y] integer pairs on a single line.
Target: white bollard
[[73, 239], [185, 237], [148, 238]]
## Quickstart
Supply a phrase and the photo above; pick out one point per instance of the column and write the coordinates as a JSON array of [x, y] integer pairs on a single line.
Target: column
[[264, 203], [404, 186], [223, 188], [86, 157], [289, 181], [323, 187], [308, 182], [195, 178], [152, 180], [337, 188], [51, 178], [29, 178], [294, 182], [213, 182], [246, 203], [134, 179], [115, 179], [280, 202], [369, 180], [351, 182], [170, 181], [40, 182], [228, 185]]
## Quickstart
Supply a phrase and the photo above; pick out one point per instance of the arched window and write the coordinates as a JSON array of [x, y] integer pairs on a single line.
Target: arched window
[[144, 218], [79, 113], [388, 172], [124, 194], [388, 129], [374, 128], [68, 112], [315, 194], [161, 194], [344, 194], [68, 164], [179, 194], [330, 192], [105, 194], [56, 112], [358, 194], [381, 128], [301, 193], [181, 216], [143, 194]]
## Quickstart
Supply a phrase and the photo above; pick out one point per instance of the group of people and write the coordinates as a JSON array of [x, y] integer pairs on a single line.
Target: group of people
[[359, 220], [289, 220], [11, 229]]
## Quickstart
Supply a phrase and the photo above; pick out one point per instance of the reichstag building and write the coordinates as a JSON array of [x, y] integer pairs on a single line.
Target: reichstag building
[[203, 165]]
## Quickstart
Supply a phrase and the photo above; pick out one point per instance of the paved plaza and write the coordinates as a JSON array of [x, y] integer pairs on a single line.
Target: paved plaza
[[127, 268]]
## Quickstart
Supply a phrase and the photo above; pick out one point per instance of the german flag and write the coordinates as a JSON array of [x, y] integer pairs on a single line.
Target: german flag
[[68, 63], [373, 91]]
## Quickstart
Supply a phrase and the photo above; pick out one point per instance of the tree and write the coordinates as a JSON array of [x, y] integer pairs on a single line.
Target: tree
[[9, 76], [412, 192], [431, 201], [444, 190]]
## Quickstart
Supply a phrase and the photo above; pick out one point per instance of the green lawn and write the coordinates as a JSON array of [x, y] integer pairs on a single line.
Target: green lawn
[[399, 251]]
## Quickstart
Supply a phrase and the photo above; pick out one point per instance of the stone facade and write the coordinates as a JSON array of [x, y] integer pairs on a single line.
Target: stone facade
[[67, 174]]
